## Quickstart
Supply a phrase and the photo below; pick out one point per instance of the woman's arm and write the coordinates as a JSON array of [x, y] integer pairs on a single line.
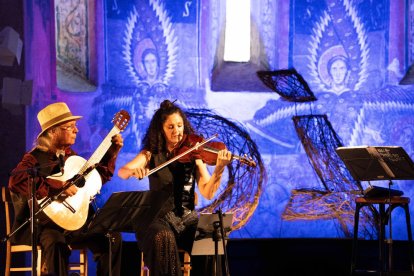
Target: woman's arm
[[137, 167], [207, 184]]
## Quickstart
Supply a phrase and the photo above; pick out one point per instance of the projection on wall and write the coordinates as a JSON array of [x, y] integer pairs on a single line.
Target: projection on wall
[[157, 50]]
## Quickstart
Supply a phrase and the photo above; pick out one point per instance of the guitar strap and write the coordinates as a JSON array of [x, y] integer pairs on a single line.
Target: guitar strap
[[44, 157]]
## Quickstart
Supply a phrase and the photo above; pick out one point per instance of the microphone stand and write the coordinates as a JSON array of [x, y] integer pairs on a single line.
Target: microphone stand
[[390, 245], [226, 263], [218, 226], [33, 226], [33, 173]]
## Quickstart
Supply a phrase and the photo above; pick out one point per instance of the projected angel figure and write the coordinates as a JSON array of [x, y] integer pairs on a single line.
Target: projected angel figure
[[150, 56], [149, 53], [150, 50], [334, 70]]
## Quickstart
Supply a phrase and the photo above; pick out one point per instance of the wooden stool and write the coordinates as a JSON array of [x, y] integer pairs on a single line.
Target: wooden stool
[[383, 216]]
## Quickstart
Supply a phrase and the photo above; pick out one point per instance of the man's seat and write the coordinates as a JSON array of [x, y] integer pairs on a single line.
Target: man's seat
[[81, 266]]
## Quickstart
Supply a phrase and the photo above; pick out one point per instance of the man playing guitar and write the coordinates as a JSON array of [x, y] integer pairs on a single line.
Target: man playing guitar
[[51, 152]]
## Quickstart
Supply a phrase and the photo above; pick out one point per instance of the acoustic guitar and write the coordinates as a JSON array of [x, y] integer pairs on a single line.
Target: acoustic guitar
[[71, 213]]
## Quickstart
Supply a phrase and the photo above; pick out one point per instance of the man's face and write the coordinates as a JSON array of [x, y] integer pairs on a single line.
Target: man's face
[[65, 134]]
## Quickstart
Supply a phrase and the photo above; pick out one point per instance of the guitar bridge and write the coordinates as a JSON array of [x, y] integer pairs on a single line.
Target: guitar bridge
[[67, 205]]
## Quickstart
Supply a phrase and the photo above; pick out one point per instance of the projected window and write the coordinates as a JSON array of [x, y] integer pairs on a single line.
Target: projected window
[[239, 53], [74, 42], [237, 35]]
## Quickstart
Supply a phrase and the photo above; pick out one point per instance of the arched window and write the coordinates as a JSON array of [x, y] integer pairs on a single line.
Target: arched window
[[247, 44], [75, 45], [237, 34]]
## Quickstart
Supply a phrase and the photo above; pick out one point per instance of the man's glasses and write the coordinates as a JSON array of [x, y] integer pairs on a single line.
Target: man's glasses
[[69, 128]]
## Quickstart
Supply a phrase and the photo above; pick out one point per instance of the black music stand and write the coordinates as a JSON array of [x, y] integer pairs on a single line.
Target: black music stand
[[377, 163], [369, 163], [211, 228], [126, 212]]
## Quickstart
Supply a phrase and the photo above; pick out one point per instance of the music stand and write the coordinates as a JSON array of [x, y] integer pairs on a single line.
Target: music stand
[[368, 163], [206, 240], [127, 212]]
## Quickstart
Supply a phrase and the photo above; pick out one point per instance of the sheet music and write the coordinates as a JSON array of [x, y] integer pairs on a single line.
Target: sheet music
[[367, 163], [378, 153], [203, 240]]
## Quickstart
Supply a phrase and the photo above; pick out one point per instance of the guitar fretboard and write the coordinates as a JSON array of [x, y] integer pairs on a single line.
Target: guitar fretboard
[[101, 150]]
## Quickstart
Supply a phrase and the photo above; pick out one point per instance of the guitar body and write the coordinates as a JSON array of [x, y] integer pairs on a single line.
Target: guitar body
[[71, 213], [58, 210]]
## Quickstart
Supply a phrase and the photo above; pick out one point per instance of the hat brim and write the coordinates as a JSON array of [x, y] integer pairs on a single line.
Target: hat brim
[[67, 119]]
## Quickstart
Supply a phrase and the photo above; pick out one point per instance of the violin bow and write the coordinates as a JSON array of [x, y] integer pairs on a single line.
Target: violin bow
[[181, 155]]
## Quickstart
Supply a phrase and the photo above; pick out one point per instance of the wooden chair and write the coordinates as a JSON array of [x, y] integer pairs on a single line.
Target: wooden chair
[[185, 264], [12, 249]]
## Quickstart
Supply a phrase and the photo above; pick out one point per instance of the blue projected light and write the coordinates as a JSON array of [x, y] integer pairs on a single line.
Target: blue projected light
[[344, 51]]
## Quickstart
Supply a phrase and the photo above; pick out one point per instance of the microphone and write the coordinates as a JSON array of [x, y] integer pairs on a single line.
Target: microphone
[[61, 163]]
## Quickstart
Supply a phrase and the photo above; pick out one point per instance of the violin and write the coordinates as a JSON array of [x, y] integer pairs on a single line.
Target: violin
[[192, 147], [206, 151]]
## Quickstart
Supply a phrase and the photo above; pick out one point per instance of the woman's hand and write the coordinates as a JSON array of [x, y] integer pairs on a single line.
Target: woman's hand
[[224, 157], [139, 173], [137, 167]]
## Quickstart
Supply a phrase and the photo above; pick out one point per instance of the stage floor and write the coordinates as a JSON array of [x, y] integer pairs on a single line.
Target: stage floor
[[288, 257]]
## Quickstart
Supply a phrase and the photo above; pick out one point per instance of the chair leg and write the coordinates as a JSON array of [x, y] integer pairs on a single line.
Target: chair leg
[[8, 259], [186, 264], [83, 262], [355, 240], [409, 235], [144, 269], [381, 237], [39, 262]]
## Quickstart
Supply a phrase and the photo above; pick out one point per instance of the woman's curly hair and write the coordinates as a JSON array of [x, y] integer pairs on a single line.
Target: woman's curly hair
[[154, 139]]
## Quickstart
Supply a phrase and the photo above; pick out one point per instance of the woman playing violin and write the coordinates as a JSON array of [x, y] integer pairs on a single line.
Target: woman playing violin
[[176, 222]]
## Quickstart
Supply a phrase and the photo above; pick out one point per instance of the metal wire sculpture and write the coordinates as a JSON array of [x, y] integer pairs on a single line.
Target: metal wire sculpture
[[242, 191], [289, 84], [335, 200], [320, 141]]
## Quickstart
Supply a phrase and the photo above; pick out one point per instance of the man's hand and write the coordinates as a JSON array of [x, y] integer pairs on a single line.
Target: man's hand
[[72, 190], [117, 144]]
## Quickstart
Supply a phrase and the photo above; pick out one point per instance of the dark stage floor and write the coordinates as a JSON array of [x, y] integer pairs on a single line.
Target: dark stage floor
[[289, 257], [284, 257]]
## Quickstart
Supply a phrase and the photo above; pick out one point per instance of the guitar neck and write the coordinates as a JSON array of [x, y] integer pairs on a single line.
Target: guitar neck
[[101, 150]]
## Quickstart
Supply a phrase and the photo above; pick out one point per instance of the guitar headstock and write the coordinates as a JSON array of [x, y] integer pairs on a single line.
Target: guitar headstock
[[121, 119]]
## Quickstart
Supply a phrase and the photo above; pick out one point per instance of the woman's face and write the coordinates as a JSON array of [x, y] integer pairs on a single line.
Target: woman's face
[[150, 64], [338, 71], [173, 130]]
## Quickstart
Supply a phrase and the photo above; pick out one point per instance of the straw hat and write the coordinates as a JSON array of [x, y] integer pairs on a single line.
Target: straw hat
[[54, 114]]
